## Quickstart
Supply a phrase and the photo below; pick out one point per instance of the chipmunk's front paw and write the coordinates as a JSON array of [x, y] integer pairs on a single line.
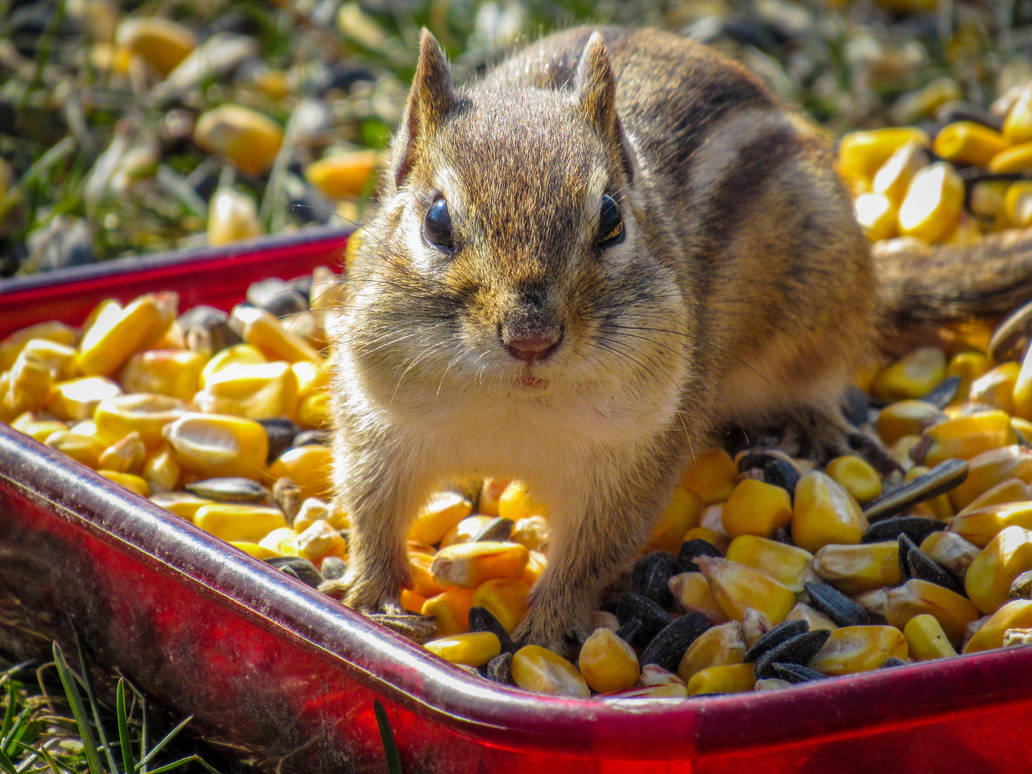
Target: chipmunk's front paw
[[367, 594]]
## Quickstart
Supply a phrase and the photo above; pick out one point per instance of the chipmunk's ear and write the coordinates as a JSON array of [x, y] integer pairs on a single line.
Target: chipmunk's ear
[[430, 100], [595, 87]]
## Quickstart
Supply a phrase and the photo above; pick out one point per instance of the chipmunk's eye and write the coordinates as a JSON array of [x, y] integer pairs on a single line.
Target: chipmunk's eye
[[437, 228], [610, 222]]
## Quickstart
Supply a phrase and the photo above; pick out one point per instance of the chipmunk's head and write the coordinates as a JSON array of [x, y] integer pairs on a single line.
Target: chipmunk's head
[[511, 236]]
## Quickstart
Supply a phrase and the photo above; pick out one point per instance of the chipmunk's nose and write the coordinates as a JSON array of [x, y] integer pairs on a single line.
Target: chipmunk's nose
[[530, 343]]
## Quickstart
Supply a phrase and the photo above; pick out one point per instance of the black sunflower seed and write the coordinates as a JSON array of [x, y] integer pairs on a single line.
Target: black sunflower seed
[[917, 528], [836, 605], [795, 650], [785, 630], [669, 645], [650, 575]]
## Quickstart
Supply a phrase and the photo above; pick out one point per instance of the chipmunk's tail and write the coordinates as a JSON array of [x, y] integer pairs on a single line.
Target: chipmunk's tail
[[922, 287]]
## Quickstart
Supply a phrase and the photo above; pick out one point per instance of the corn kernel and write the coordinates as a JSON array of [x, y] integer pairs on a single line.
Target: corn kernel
[[310, 466], [680, 514], [423, 582], [718, 540], [230, 357], [989, 469], [536, 564], [126, 480], [439, 516], [783, 562], [856, 476], [717, 646], [470, 564], [933, 202], [990, 575], [966, 142], [258, 391], [505, 598], [37, 429], [996, 387], [230, 521], [926, 639], [13, 345], [172, 372], [531, 531], [57, 358], [876, 215], [218, 444], [320, 540], [726, 678], [1017, 158], [654, 674], [517, 503], [607, 662], [490, 493], [982, 525], [76, 399], [253, 549], [247, 138], [862, 153], [1017, 126], [860, 567], [183, 504], [411, 600], [852, 649], [84, 449], [140, 413], [1017, 204], [281, 540], [315, 411], [893, 177], [343, 174], [125, 455], [967, 436], [736, 587], [912, 376], [825, 513], [756, 508], [472, 649], [1008, 491], [712, 475], [263, 331], [232, 217], [161, 470], [916, 596], [161, 43], [118, 333], [451, 609], [540, 670], [28, 384], [814, 618], [1013, 615]]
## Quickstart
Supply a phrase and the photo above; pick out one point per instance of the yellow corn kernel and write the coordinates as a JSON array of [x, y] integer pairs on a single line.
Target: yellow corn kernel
[[912, 376], [183, 504], [916, 596], [926, 639], [13, 345], [309, 466], [1016, 614], [320, 540], [1017, 204], [989, 469], [231, 521], [540, 670], [411, 600], [607, 662], [472, 649], [218, 444], [57, 358], [451, 609], [1021, 395], [856, 476], [470, 564], [876, 215], [312, 377], [951, 551], [258, 391], [37, 429], [281, 540], [161, 470], [314, 411], [536, 564], [467, 529], [28, 384], [141, 413], [84, 449], [781, 561], [232, 217], [423, 582], [860, 567], [118, 333], [159, 42], [125, 455], [517, 503], [814, 618], [172, 372], [825, 513], [852, 649], [986, 200], [967, 232], [712, 475], [230, 357], [680, 514], [933, 202], [893, 177], [966, 142], [76, 399], [342, 175], [717, 646], [490, 493], [968, 366], [996, 387], [692, 592], [991, 573], [862, 153], [726, 678], [253, 549], [756, 508], [439, 516], [127, 480], [1017, 126], [718, 540], [1008, 491], [264, 332], [980, 526], [1017, 158], [969, 435], [531, 531], [736, 587], [505, 598], [247, 138]]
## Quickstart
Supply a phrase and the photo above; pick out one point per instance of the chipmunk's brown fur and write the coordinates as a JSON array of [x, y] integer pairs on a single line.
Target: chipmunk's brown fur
[[529, 345]]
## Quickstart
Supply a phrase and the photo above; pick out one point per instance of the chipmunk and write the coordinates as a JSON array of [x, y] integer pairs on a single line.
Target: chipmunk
[[582, 265]]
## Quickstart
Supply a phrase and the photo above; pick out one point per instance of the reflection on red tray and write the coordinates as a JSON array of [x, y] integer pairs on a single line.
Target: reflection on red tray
[[262, 660]]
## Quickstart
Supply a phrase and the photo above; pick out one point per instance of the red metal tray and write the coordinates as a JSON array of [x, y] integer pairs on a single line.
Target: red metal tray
[[262, 660]]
